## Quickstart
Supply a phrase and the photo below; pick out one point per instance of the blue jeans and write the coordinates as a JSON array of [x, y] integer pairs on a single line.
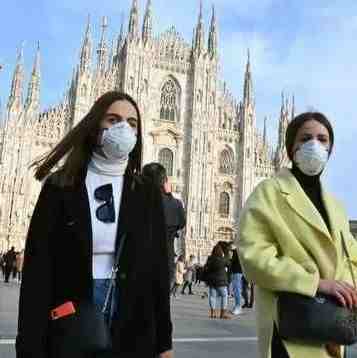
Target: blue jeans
[[218, 296], [237, 288], [100, 289]]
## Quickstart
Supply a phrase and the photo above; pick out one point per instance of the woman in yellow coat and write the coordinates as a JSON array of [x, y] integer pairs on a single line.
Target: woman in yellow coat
[[290, 238]]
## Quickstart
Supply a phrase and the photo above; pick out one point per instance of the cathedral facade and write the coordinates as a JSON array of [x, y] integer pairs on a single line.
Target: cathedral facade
[[207, 140]]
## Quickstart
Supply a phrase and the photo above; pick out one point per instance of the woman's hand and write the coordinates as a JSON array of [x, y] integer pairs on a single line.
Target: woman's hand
[[341, 290], [167, 354]]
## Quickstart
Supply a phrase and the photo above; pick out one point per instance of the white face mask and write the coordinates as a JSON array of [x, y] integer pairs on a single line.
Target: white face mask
[[311, 158], [118, 141]]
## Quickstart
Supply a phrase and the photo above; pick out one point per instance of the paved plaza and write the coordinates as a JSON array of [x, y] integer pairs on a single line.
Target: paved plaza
[[196, 336]]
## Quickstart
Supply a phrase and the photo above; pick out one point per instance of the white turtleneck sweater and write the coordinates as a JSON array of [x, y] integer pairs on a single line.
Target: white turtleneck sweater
[[104, 234]]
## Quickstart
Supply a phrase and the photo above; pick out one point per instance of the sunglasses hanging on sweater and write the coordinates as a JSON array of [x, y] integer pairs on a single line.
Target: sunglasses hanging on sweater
[[106, 211]]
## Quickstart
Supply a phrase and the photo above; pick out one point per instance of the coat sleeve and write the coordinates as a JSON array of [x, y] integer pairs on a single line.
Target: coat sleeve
[[161, 281], [262, 260], [37, 280]]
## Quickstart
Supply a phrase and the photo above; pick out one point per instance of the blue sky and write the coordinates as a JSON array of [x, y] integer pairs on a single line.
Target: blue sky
[[299, 46]]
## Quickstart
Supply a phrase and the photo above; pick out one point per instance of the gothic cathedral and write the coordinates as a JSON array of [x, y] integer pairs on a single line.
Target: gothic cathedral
[[207, 140]]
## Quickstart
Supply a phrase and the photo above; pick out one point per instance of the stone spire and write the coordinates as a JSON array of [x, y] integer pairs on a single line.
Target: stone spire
[[248, 84], [15, 98], [103, 48], [133, 30], [213, 36], [265, 139], [199, 40], [147, 25], [280, 155], [112, 54], [33, 94], [86, 51], [120, 41], [282, 120]]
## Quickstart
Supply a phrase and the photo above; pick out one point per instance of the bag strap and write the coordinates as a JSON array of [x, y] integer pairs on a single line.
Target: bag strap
[[344, 246], [115, 269]]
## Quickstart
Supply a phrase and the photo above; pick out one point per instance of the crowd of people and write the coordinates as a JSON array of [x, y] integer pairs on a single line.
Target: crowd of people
[[222, 275], [11, 263], [102, 224]]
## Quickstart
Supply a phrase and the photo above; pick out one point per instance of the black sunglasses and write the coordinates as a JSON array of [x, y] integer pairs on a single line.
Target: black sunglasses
[[105, 212]]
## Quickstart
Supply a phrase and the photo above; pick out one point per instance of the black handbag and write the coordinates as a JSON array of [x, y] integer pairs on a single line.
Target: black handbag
[[86, 330], [320, 319]]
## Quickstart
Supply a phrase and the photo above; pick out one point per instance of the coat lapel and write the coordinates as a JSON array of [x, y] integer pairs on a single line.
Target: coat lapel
[[124, 209], [300, 203], [331, 209], [78, 207]]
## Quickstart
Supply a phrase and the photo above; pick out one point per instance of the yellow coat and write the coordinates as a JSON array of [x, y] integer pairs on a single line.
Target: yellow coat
[[284, 245]]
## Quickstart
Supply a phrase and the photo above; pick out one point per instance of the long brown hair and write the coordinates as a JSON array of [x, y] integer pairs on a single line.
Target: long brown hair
[[81, 140]]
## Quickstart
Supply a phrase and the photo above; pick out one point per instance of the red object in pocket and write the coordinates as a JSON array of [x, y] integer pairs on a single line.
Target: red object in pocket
[[63, 310]]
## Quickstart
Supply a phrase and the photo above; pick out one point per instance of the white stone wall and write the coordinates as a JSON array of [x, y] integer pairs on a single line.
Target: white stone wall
[[209, 121]]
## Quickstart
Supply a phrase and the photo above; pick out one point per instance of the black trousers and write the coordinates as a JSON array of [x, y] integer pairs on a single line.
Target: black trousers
[[7, 273], [187, 284]]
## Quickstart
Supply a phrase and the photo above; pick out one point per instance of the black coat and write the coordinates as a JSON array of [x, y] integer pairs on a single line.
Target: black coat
[[58, 268], [175, 220], [217, 271], [10, 258]]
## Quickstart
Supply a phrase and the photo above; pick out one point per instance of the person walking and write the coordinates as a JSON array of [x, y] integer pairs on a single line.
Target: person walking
[[175, 216], [179, 273], [2, 265], [189, 275], [10, 262], [19, 264], [94, 204], [217, 281], [236, 272], [291, 234], [247, 293]]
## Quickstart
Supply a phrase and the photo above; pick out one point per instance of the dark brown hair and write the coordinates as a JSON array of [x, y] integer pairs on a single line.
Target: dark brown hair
[[157, 173], [81, 140], [298, 122], [217, 251]]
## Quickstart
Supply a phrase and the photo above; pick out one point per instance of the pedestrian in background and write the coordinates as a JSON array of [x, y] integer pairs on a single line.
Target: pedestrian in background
[[290, 239], [175, 216], [96, 203], [19, 264], [189, 275], [2, 265], [236, 272], [247, 293], [10, 263], [217, 281], [179, 273]]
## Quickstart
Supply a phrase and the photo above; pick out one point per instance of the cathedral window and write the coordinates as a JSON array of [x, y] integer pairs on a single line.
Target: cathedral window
[[224, 201], [226, 162], [83, 90], [169, 101], [166, 158]]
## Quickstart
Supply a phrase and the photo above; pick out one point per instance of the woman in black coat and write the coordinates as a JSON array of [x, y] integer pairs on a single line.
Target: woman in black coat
[[217, 281], [67, 256]]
